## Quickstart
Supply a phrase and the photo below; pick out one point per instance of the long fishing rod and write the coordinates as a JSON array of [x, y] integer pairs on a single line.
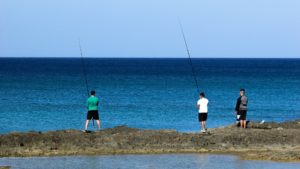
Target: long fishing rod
[[83, 68], [84, 71], [188, 53]]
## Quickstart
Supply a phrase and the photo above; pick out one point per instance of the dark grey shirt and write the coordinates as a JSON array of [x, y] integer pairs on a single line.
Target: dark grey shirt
[[241, 103]]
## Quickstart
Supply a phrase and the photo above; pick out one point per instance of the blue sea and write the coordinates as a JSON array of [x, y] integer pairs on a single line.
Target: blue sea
[[44, 94]]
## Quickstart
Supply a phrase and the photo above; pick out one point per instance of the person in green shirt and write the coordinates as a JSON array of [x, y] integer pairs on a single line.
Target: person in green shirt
[[92, 106]]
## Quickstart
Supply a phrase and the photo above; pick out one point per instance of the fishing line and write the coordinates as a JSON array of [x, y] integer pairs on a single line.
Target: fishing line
[[84, 71], [188, 53]]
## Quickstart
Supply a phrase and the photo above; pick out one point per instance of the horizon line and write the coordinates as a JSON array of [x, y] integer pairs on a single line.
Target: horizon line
[[78, 57]]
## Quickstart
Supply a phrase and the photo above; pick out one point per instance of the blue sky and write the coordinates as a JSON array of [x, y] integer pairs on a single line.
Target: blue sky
[[149, 28]]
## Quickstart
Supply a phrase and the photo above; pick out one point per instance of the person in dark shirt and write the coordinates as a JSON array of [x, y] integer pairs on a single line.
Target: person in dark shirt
[[241, 108]]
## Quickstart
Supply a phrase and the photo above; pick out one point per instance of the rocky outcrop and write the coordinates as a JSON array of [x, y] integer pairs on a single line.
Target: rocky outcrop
[[268, 141]]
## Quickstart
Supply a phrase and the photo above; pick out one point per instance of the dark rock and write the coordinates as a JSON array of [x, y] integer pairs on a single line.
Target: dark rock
[[123, 139]]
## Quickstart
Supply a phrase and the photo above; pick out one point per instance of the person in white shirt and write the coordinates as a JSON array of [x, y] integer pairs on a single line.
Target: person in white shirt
[[202, 105]]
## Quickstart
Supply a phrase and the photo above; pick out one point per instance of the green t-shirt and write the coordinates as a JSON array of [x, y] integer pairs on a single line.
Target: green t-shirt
[[92, 103]]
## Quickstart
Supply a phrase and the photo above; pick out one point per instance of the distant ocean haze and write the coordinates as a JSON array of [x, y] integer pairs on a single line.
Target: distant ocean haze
[[49, 93]]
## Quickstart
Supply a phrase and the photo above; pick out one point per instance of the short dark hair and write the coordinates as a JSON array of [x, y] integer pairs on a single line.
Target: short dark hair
[[93, 92], [243, 90], [202, 94]]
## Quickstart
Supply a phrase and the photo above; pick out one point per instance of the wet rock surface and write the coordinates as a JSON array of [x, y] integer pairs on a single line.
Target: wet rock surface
[[268, 141]]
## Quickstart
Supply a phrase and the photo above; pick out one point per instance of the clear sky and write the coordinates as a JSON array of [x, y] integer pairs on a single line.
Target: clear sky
[[149, 28]]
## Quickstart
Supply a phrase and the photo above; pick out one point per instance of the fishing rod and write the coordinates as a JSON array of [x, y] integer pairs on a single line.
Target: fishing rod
[[84, 71], [188, 53], [83, 68]]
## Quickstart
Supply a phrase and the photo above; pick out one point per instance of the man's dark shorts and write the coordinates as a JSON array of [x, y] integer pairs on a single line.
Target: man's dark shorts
[[202, 116], [243, 114], [92, 114]]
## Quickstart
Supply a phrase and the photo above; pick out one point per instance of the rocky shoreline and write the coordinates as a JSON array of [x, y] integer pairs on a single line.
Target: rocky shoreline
[[268, 141]]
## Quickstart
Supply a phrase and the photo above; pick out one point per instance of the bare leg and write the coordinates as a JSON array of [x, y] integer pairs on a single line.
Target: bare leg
[[243, 123], [86, 124], [203, 124], [98, 124]]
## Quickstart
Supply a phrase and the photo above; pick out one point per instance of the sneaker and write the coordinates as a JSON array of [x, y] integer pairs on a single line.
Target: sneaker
[[86, 131], [203, 131]]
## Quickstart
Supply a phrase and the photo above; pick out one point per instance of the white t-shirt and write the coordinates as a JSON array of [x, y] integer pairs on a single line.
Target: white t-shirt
[[203, 105]]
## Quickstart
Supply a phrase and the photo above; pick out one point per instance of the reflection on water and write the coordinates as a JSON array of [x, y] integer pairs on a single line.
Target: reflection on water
[[165, 161]]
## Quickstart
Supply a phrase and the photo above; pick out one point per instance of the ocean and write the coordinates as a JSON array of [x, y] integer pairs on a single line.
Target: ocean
[[45, 94]]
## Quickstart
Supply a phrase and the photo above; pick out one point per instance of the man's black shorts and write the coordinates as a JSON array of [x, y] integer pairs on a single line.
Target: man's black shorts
[[202, 116], [243, 114], [92, 114]]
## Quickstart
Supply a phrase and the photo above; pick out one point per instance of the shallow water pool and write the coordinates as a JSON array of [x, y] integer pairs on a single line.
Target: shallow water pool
[[165, 161]]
